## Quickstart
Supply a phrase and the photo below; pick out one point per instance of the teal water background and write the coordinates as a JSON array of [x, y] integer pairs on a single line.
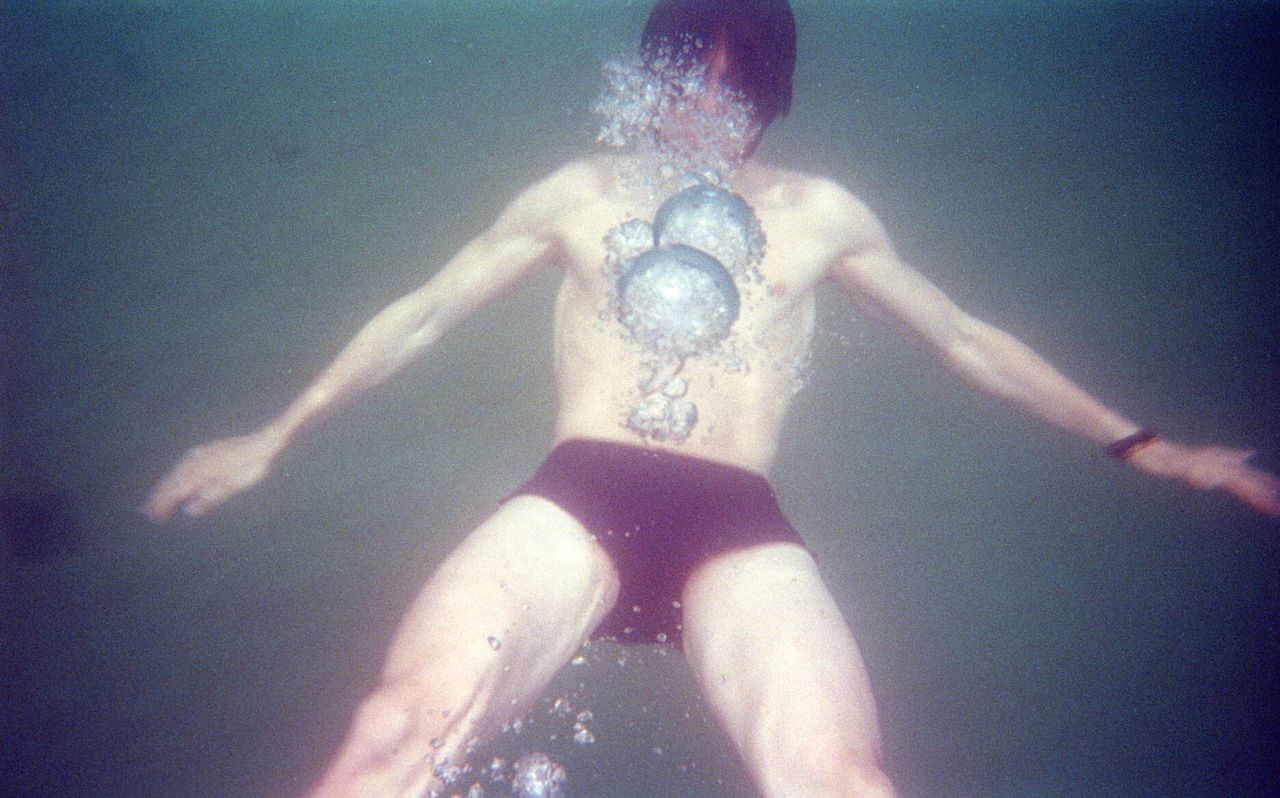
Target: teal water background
[[202, 201]]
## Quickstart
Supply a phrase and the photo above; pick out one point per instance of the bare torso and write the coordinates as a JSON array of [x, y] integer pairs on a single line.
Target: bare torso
[[741, 395]]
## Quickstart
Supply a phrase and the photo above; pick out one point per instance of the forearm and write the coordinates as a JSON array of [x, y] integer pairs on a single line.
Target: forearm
[[406, 328], [998, 364], [384, 346]]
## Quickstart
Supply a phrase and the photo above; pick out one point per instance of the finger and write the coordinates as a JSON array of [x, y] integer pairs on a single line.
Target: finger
[[154, 512], [1259, 491], [1265, 502], [209, 498], [200, 504], [1243, 456], [176, 487], [162, 502]]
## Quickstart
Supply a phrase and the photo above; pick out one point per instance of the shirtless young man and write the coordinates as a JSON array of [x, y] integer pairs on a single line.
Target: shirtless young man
[[688, 532]]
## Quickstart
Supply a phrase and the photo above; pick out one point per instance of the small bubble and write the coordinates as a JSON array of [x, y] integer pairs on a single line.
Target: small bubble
[[494, 643], [578, 660], [448, 773], [437, 742], [636, 608], [661, 637], [582, 735]]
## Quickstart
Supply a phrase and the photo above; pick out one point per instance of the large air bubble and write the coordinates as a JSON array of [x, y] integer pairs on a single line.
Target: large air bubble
[[677, 301], [715, 221]]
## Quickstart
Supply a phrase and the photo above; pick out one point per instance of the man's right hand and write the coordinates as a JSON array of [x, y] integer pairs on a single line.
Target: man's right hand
[[209, 475]]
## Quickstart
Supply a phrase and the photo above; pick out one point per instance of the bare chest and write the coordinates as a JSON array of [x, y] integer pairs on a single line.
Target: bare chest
[[795, 258]]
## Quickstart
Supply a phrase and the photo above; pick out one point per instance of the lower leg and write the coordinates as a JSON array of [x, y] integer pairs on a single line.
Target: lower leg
[[394, 748]]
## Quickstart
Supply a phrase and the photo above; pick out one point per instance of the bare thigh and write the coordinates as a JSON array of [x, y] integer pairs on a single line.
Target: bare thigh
[[528, 582], [780, 668], [482, 640]]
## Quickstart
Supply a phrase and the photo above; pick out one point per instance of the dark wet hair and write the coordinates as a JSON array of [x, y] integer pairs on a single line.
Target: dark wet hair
[[758, 35]]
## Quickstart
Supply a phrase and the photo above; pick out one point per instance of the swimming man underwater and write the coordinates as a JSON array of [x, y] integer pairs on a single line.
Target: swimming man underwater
[[688, 294]]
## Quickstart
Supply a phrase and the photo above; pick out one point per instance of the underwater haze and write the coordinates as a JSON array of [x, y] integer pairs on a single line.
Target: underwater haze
[[200, 202]]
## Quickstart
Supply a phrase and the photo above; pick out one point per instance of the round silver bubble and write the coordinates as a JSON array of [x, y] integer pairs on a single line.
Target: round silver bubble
[[713, 220], [677, 301]]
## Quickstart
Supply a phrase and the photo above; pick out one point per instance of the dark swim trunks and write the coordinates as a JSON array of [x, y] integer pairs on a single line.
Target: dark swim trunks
[[659, 515]]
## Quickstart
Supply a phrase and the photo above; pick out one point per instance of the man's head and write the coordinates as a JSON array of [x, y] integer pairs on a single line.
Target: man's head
[[750, 45]]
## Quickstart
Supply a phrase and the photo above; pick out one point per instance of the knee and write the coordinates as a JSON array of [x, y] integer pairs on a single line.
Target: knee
[[856, 772], [382, 752], [866, 779], [852, 775], [385, 721]]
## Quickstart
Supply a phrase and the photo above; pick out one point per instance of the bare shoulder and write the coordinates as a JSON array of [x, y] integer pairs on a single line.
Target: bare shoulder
[[540, 204], [826, 204], [581, 180]]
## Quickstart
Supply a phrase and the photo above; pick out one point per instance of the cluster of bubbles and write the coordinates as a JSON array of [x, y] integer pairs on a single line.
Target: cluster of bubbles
[[537, 776], [533, 775], [674, 279], [640, 96], [675, 292], [582, 735]]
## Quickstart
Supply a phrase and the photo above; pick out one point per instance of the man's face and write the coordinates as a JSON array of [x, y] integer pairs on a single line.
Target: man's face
[[677, 114], [710, 118]]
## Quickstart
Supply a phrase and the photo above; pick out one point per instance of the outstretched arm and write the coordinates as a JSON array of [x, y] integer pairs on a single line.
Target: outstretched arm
[[993, 361], [520, 242]]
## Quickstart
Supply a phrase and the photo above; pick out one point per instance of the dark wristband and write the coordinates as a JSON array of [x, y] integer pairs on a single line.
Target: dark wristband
[[1121, 449]]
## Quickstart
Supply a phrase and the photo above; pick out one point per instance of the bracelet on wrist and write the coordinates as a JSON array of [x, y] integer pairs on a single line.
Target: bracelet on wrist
[[1129, 445]]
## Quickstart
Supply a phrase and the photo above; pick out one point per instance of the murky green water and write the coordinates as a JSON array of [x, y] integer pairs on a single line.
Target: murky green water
[[201, 203]]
